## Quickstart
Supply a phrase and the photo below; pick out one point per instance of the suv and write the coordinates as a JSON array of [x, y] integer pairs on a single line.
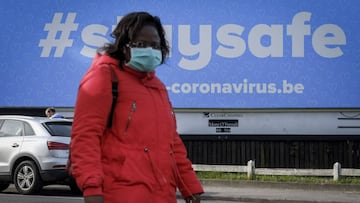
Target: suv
[[34, 153]]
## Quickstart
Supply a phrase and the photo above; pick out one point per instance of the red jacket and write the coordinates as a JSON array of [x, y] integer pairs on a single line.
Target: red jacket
[[141, 158]]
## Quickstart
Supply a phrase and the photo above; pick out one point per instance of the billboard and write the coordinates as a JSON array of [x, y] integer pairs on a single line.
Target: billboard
[[224, 54]]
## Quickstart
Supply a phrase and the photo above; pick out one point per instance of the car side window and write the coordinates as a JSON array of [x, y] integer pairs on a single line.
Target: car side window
[[11, 128], [28, 129], [1, 133]]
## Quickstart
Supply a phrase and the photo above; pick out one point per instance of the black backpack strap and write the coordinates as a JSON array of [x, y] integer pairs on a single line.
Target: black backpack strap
[[114, 91]]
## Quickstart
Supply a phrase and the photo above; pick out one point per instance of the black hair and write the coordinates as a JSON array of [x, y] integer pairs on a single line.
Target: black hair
[[127, 29]]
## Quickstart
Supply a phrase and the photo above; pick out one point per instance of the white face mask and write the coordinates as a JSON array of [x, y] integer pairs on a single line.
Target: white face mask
[[144, 59]]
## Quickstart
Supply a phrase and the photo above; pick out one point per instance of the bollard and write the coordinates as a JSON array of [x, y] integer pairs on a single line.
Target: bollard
[[337, 171], [251, 170]]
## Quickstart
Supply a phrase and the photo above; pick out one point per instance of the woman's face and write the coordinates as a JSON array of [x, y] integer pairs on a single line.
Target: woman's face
[[147, 37]]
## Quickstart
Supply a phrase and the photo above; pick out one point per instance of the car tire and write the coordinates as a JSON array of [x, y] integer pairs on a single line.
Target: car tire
[[27, 179], [74, 187], [4, 186]]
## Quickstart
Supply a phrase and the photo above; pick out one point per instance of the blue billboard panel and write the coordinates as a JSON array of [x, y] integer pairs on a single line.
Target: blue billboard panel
[[224, 54]]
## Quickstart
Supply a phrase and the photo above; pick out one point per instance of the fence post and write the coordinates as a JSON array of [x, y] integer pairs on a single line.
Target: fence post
[[337, 171], [251, 169]]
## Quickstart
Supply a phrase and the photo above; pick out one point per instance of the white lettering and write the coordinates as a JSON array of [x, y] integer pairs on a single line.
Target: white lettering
[[263, 41], [202, 49], [256, 35], [94, 36], [325, 36], [297, 30], [236, 88], [232, 45]]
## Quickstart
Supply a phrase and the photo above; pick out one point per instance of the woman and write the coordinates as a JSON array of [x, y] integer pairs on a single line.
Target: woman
[[141, 157]]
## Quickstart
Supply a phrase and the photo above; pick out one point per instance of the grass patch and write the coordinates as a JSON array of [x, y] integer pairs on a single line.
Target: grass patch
[[273, 178]]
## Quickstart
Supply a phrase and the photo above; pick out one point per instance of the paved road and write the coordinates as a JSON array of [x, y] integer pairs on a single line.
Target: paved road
[[61, 194], [15, 198], [223, 192]]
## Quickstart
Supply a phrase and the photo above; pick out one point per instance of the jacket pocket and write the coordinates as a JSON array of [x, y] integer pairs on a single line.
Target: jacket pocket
[[136, 168]]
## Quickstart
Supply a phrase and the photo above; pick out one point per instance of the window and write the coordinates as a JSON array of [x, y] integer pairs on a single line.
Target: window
[[11, 128], [28, 129], [59, 128]]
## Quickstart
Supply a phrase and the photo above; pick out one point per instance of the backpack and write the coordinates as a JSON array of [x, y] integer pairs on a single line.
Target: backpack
[[114, 91]]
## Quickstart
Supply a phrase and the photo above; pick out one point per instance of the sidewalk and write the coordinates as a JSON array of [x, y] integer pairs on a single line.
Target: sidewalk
[[251, 191]]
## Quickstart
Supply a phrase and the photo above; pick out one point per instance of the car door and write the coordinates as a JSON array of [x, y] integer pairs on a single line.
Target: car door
[[11, 139]]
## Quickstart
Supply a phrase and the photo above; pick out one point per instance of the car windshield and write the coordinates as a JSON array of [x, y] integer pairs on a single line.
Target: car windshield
[[62, 129]]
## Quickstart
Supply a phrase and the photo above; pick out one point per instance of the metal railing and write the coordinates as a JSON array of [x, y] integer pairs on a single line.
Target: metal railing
[[336, 172]]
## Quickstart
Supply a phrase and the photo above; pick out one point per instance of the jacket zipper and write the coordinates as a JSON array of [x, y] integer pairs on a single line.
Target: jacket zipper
[[133, 108]]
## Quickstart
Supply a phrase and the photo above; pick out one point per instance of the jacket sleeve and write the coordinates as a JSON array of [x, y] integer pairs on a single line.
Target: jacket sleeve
[[188, 182], [92, 108]]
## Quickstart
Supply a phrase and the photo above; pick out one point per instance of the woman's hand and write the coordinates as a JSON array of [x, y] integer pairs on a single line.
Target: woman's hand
[[94, 199], [193, 199]]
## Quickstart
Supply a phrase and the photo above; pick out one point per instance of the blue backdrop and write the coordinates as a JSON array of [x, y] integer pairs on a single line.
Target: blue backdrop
[[225, 54]]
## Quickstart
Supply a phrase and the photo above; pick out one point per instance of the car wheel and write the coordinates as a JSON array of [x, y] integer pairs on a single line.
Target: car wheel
[[74, 188], [4, 186], [27, 179]]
